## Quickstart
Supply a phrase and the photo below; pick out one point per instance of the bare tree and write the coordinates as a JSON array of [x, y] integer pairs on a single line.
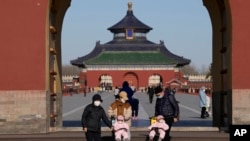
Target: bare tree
[[189, 70], [209, 74], [70, 70], [204, 69]]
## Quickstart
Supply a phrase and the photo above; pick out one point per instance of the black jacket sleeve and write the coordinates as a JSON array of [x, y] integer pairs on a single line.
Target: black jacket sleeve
[[157, 107], [105, 119], [174, 104], [84, 115]]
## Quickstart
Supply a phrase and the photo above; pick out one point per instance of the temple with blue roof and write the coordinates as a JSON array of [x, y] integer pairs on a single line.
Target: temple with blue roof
[[131, 57]]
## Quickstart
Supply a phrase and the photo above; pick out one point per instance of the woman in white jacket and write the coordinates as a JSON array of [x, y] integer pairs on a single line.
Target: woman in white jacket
[[203, 101]]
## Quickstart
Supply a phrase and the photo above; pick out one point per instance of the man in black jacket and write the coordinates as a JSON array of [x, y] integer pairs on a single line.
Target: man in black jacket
[[167, 106], [91, 119]]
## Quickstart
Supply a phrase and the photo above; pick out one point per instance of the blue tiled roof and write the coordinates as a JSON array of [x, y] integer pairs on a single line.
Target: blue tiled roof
[[129, 49], [130, 21]]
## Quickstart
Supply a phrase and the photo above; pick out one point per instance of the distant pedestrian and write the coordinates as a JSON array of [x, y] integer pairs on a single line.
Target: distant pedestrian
[[151, 93], [85, 91], [91, 119], [174, 90], [135, 108], [128, 90], [71, 91], [202, 101], [133, 88], [208, 105], [116, 94]]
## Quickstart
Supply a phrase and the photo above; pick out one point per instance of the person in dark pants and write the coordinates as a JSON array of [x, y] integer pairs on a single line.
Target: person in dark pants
[[84, 91], [135, 108], [151, 93], [91, 119], [167, 106]]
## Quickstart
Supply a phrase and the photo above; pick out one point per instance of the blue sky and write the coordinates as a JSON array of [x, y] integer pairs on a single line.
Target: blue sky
[[183, 25]]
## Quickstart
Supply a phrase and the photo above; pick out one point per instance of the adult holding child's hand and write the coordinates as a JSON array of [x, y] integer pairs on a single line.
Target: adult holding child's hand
[[92, 116]]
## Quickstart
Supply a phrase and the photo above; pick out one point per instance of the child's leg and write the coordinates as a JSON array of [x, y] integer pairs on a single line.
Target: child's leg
[[125, 135], [151, 134], [162, 134], [118, 136]]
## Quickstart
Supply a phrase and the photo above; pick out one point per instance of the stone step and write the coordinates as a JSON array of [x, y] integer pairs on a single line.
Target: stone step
[[107, 136]]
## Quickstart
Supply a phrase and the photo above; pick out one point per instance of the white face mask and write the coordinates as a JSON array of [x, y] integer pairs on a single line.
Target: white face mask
[[122, 100], [97, 103], [161, 120], [120, 122], [160, 96]]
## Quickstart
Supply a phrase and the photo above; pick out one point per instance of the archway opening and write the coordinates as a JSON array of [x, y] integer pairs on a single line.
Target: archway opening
[[176, 29]]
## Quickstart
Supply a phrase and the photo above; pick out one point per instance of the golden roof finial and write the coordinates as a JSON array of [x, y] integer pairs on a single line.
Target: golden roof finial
[[129, 6]]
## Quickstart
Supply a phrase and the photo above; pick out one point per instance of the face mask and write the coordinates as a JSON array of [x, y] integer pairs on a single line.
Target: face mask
[[159, 96], [161, 120], [122, 100], [97, 103], [120, 122]]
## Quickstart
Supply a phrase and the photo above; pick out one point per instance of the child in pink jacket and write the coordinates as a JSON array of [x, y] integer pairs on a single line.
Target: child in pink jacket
[[121, 128], [159, 127]]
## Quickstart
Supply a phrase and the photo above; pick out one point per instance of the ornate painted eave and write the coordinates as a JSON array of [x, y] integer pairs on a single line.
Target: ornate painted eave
[[139, 54]]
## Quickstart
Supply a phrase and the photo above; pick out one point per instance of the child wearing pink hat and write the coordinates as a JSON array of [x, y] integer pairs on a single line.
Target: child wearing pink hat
[[158, 127], [120, 129]]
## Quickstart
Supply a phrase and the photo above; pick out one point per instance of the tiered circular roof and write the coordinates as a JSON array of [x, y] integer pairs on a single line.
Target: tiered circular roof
[[134, 51]]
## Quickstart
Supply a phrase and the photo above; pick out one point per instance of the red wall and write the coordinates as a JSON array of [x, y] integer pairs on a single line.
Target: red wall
[[117, 76], [240, 43], [22, 46]]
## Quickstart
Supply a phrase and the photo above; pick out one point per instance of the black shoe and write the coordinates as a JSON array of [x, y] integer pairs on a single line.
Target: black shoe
[[206, 114], [203, 117]]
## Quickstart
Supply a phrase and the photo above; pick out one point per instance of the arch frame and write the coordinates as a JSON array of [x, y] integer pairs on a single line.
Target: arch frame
[[34, 86]]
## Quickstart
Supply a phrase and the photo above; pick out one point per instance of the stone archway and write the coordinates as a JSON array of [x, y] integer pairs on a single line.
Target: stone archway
[[131, 78], [105, 82], [154, 80], [223, 86], [38, 81]]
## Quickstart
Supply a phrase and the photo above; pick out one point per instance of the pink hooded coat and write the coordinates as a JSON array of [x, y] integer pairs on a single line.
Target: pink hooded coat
[[119, 128], [162, 127]]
